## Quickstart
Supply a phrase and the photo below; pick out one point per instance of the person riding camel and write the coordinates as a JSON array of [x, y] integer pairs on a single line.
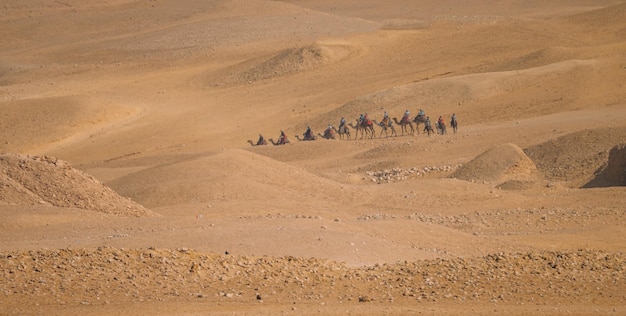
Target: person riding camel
[[421, 113], [453, 122], [282, 140], [329, 132], [366, 120], [342, 125], [385, 121], [308, 134], [261, 140], [440, 121], [427, 124], [405, 117]]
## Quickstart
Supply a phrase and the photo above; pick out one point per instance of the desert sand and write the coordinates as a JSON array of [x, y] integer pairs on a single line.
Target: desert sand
[[128, 185]]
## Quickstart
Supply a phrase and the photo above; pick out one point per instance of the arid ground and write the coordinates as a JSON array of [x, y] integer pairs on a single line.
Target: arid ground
[[128, 185]]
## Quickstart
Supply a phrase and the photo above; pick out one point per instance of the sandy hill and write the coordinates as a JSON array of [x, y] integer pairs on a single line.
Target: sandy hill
[[233, 176], [499, 165], [371, 82], [156, 100], [283, 63]]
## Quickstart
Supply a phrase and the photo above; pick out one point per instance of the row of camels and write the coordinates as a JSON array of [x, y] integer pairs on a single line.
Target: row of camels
[[366, 129]]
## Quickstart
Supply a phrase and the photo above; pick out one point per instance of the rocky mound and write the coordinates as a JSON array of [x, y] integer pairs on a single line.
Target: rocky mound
[[614, 174], [126, 275], [506, 166], [292, 60], [31, 180], [575, 158]]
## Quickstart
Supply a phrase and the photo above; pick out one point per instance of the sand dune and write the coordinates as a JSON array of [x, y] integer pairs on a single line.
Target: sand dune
[[607, 17], [230, 176], [499, 165], [288, 61]]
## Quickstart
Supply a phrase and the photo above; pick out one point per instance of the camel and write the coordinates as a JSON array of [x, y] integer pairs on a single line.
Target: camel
[[403, 124], [306, 138], [344, 130], [308, 135], [368, 125], [365, 129], [329, 133], [261, 143], [279, 142], [441, 127], [358, 128], [428, 128], [384, 127], [417, 120], [454, 124]]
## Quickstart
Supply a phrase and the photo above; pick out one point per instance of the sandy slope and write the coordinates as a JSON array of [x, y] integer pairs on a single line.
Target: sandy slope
[[156, 101]]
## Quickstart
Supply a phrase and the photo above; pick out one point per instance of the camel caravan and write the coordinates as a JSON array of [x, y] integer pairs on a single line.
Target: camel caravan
[[365, 127]]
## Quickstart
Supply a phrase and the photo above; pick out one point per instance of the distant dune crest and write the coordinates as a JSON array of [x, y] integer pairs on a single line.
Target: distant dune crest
[[289, 61]]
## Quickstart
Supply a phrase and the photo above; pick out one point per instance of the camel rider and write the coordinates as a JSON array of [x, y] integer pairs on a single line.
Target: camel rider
[[282, 139], [440, 121], [385, 120], [405, 117], [421, 113], [361, 118], [308, 134], [342, 125], [261, 140], [366, 120], [328, 133]]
